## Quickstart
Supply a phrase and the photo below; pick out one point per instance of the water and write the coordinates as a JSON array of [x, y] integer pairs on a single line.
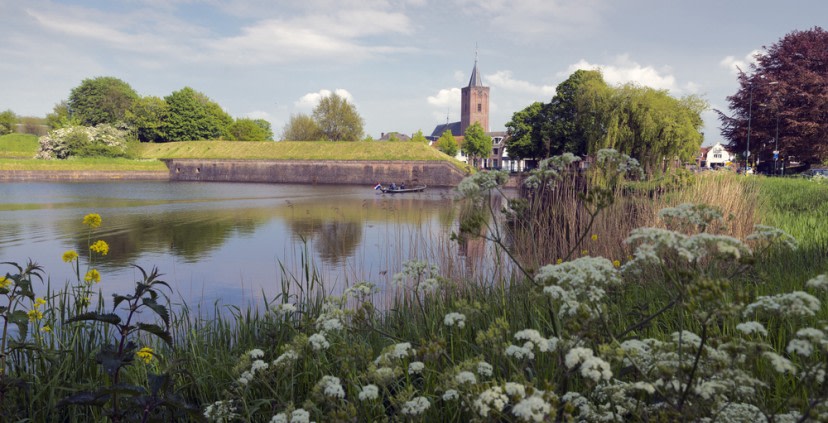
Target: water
[[227, 242]]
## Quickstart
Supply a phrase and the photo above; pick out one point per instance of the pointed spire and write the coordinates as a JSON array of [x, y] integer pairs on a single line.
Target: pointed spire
[[475, 80]]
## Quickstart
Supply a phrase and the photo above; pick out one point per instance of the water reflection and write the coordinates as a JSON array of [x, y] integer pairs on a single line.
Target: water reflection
[[224, 240]]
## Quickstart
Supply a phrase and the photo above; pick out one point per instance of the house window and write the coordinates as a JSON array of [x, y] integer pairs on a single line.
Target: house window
[[479, 107], [717, 156], [494, 151]]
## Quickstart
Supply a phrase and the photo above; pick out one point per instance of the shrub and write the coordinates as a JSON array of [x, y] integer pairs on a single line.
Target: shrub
[[83, 141]]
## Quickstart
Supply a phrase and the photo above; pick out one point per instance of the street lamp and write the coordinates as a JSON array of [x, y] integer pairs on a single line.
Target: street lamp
[[750, 113]]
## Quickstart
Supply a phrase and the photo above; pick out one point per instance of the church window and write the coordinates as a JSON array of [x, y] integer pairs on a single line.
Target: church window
[[479, 107]]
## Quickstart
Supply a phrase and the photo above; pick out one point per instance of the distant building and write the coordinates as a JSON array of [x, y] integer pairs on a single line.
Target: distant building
[[396, 135], [715, 156]]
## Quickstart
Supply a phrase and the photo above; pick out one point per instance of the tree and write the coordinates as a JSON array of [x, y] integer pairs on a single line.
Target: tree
[[60, 118], [265, 126], [447, 144], [476, 144], [245, 129], [419, 137], [337, 119], [301, 127], [101, 100], [788, 83], [543, 130], [147, 117], [193, 116], [8, 120]]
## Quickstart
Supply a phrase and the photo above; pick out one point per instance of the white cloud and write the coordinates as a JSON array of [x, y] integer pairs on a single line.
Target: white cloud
[[449, 97], [310, 100], [733, 64], [503, 80], [625, 70]]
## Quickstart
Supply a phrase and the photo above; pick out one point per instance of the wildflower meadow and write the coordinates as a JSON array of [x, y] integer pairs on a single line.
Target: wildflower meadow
[[699, 314]]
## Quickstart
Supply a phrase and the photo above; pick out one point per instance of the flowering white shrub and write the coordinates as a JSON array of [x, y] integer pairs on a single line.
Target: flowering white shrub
[[84, 141]]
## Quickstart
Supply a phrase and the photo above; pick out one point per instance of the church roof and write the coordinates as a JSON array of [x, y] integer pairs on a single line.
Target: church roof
[[439, 129], [475, 80]]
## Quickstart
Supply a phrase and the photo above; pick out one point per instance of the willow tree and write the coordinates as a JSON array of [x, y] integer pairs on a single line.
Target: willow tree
[[645, 123]]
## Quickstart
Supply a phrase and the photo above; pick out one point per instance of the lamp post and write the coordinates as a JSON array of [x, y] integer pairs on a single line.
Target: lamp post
[[750, 115]]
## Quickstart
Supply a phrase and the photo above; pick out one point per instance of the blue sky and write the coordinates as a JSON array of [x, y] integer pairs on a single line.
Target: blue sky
[[401, 62]]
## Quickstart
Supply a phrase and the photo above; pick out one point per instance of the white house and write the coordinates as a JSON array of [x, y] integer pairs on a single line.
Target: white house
[[718, 156]]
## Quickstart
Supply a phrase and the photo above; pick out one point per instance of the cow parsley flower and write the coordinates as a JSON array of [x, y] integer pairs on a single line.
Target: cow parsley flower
[[463, 378], [490, 399], [532, 409], [245, 378], [770, 234], [287, 358], [300, 415], [818, 282], [279, 418], [450, 395], [520, 352], [801, 347], [455, 319], [256, 353], [416, 367], [221, 412], [779, 363], [415, 407], [258, 365], [515, 390], [396, 352], [284, 309], [369, 392], [331, 387], [485, 369], [794, 304], [749, 328], [318, 341]]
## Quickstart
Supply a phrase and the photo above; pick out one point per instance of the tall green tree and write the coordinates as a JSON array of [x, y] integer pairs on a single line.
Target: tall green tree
[[419, 137], [60, 118], [447, 144], [787, 88], [526, 137], [301, 127], [193, 116], [104, 99], [476, 144], [245, 129], [265, 126], [147, 117], [337, 119], [8, 120]]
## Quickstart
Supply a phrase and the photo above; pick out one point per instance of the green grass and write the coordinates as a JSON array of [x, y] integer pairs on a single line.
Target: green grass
[[18, 145], [83, 164]]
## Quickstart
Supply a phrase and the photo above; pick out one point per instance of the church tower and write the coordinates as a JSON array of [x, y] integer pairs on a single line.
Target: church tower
[[474, 102]]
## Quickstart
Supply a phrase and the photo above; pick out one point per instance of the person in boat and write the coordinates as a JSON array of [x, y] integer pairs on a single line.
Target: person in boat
[[402, 186], [393, 186]]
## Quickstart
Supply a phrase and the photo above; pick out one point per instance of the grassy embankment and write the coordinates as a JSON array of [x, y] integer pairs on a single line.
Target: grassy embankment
[[300, 348], [16, 152]]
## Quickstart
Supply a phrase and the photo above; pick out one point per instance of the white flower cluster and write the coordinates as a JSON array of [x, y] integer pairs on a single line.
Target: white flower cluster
[[532, 409], [286, 359], [417, 271], [779, 363], [485, 369], [592, 367], [532, 339], [819, 283], [698, 215], [369, 393], [361, 290], [612, 160], [255, 353], [796, 303], [490, 399], [415, 407], [416, 367], [481, 182], [749, 328], [248, 375], [455, 319], [395, 352], [579, 285], [655, 245], [549, 170], [318, 341], [383, 375], [331, 315], [465, 378], [284, 309], [450, 395], [58, 145], [220, 412], [299, 415], [770, 235], [331, 387]]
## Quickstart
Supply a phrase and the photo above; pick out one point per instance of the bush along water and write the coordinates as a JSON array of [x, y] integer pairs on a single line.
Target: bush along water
[[677, 332]]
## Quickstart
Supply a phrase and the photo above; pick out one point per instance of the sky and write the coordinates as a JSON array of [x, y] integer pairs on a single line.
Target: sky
[[400, 62]]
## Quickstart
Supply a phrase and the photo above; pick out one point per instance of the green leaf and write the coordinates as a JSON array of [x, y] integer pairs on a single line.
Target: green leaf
[[21, 319], [110, 361], [110, 318], [125, 389], [157, 331], [159, 309], [118, 299], [157, 383], [95, 398]]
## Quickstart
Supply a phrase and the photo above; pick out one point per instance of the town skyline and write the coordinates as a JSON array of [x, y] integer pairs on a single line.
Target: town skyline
[[402, 63]]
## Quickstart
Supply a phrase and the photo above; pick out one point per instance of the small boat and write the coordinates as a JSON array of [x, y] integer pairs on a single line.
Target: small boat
[[398, 190]]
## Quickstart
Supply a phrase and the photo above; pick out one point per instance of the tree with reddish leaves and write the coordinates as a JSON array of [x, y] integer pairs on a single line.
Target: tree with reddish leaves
[[787, 88]]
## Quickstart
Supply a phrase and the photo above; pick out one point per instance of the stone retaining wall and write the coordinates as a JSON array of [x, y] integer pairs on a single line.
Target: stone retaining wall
[[431, 173]]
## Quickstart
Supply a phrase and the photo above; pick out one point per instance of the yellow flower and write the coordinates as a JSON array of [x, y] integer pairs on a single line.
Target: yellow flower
[[93, 220], [46, 329], [595, 237], [35, 314], [145, 354], [92, 276], [39, 302], [5, 282], [584, 252], [559, 261], [616, 263], [69, 256], [100, 247], [84, 301]]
